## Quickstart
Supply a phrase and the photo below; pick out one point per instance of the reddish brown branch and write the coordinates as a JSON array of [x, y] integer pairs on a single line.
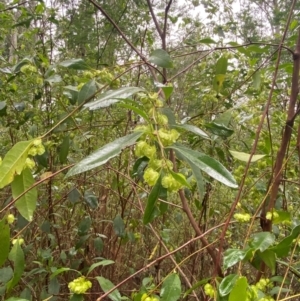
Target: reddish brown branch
[[292, 112]]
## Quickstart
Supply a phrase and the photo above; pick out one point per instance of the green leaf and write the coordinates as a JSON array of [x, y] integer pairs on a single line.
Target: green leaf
[[207, 41], [84, 226], [3, 108], [98, 244], [233, 256], [166, 89], [282, 216], [14, 162], [87, 91], [221, 65], [269, 258], [221, 68], [258, 49], [198, 177], [224, 118], [64, 149], [170, 114], [77, 64], [126, 104], [16, 255], [27, 203], [282, 248], [53, 287], [77, 297], [193, 129], [91, 199], [97, 264], [171, 288], [110, 97], [256, 80], [180, 178], [153, 197], [74, 195], [6, 274], [71, 93], [59, 271], [245, 157], [227, 284], [219, 129], [4, 241], [107, 285], [207, 164], [119, 226], [104, 154], [55, 78], [239, 291], [161, 58], [262, 241]]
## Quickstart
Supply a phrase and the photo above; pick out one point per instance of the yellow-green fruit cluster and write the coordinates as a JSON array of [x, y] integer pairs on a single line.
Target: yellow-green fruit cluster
[[10, 218], [151, 176], [37, 148], [145, 297], [209, 290], [169, 182], [162, 119], [159, 163], [263, 284], [79, 285], [272, 215], [29, 163], [144, 149], [27, 69], [168, 137], [19, 240], [242, 217]]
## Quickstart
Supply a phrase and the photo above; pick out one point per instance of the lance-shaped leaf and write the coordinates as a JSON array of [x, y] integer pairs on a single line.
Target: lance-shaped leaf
[[207, 164], [227, 284], [101, 263], [4, 241], [219, 129], [106, 286], [13, 162], [104, 154], [27, 203], [156, 191], [245, 157], [16, 255], [193, 129], [110, 97], [88, 90], [77, 64], [221, 68]]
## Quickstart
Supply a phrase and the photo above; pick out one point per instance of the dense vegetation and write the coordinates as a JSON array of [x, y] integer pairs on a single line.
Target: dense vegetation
[[150, 150]]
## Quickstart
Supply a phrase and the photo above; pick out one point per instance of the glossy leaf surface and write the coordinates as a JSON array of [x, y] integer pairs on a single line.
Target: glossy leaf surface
[[13, 162], [26, 205], [207, 164], [104, 154], [110, 97]]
